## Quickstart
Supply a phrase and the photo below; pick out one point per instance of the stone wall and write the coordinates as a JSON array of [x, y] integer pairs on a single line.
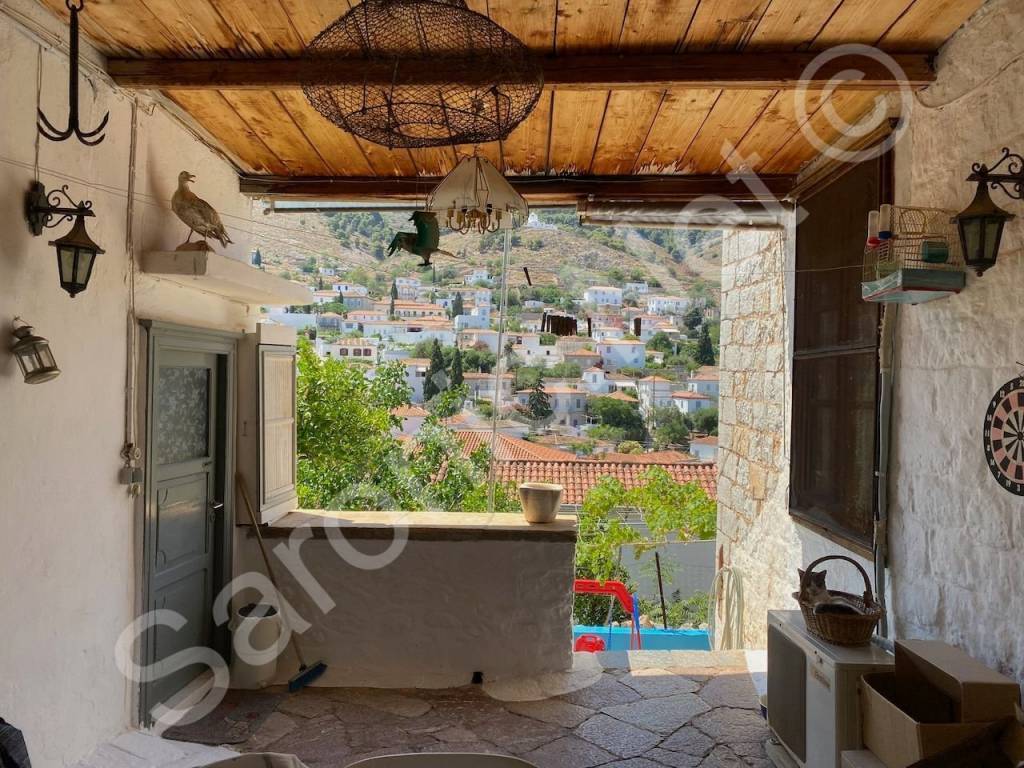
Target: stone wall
[[756, 535], [956, 561], [957, 538]]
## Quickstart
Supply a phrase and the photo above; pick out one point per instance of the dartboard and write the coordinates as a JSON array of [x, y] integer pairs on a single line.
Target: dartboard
[[1004, 436]]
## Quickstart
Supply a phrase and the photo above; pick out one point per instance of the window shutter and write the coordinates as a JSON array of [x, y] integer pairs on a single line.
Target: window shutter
[[277, 431]]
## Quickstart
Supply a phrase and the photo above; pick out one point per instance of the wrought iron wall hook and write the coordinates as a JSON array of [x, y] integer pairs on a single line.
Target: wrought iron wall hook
[[44, 209], [1009, 179], [46, 128]]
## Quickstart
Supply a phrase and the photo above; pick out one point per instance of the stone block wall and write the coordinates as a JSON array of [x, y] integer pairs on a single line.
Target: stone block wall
[[756, 535]]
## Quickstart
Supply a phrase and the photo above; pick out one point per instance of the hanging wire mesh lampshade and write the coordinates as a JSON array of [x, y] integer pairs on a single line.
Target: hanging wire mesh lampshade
[[431, 73]]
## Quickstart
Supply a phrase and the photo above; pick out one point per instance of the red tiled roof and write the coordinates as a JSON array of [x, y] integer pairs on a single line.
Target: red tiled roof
[[657, 379], [410, 411], [654, 457], [511, 448], [577, 477], [619, 396], [407, 361], [684, 394], [709, 440]]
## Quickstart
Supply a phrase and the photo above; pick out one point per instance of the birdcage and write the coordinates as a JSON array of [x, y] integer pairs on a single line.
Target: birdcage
[[921, 261]]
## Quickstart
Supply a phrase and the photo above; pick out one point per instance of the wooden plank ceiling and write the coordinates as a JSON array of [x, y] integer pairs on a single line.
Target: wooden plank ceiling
[[587, 132]]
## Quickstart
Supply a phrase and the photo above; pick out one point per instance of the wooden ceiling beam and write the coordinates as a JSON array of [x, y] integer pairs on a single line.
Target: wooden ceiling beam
[[549, 189], [754, 70]]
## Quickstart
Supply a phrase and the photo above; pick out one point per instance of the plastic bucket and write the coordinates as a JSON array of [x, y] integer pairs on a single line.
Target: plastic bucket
[[256, 627]]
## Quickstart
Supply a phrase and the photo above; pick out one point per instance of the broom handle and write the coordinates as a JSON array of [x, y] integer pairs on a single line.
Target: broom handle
[[266, 559]]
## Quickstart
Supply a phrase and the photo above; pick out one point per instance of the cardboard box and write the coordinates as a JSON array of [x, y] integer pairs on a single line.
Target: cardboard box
[[935, 698], [979, 694]]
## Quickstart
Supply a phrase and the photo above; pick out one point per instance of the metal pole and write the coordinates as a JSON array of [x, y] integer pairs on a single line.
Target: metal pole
[[661, 591]]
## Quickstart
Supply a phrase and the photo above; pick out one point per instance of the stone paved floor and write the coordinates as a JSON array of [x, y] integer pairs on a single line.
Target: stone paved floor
[[652, 709]]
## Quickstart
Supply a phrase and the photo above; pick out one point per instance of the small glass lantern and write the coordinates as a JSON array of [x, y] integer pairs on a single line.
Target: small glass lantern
[[34, 356], [981, 230], [76, 253]]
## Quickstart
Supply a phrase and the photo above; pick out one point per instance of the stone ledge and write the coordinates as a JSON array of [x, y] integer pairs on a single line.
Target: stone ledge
[[424, 526]]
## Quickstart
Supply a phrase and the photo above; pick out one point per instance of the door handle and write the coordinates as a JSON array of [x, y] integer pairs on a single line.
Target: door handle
[[216, 509]]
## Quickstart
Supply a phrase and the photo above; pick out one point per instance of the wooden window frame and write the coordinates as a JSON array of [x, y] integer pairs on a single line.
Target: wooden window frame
[[862, 544]]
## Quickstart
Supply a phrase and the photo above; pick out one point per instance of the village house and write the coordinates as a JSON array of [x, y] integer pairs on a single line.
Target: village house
[[689, 401], [351, 288], [408, 287], [705, 448], [603, 295], [362, 350], [621, 353], [481, 386], [704, 381], [667, 305], [653, 392]]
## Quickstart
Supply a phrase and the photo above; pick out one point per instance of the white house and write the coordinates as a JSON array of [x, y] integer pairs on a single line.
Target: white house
[[327, 271], [477, 275], [353, 288], [362, 349], [411, 417], [595, 381], [639, 288], [533, 305], [415, 375], [468, 322], [356, 301], [603, 295], [608, 332], [568, 404], [690, 402], [653, 392], [621, 353], [705, 448], [481, 385], [408, 287], [485, 336], [704, 381], [325, 297], [667, 305], [528, 347]]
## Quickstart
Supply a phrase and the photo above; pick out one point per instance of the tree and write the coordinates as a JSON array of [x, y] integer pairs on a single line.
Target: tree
[[617, 413], [630, 447], [457, 374], [539, 404], [436, 380], [693, 317], [457, 305], [660, 342], [705, 349], [671, 427], [706, 420]]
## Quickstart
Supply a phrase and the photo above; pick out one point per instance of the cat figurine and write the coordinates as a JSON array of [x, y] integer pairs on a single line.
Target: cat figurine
[[815, 593]]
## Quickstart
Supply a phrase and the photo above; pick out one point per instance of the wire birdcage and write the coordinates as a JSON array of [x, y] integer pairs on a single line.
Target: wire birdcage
[[923, 260], [922, 238], [435, 73]]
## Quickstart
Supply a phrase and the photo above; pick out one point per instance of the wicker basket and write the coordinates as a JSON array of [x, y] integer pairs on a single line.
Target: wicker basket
[[841, 628]]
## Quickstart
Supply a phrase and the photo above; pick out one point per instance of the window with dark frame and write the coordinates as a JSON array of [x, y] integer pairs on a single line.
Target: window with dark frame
[[835, 360]]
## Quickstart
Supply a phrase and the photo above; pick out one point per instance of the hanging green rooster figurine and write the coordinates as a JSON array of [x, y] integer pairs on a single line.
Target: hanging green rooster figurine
[[424, 242]]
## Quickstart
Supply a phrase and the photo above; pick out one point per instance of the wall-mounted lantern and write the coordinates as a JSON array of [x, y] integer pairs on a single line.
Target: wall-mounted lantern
[[76, 251], [981, 223], [33, 354]]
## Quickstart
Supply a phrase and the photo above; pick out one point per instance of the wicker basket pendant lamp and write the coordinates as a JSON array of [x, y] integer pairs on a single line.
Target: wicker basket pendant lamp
[[435, 74]]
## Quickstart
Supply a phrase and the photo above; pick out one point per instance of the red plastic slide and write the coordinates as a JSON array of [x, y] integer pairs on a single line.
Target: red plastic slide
[[619, 591]]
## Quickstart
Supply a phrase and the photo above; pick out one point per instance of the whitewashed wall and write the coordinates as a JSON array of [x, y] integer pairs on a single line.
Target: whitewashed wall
[[439, 612], [67, 557], [957, 539]]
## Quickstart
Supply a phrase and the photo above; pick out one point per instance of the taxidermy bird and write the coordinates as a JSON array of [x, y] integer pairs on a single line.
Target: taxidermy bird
[[198, 215], [424, 242]]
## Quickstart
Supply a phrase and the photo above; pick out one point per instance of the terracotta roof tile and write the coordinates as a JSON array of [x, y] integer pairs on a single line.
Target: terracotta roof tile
[[410, 411], [577, 477], [511, 448], [687, 395], [619, 396], [709, 440], [653, 457]]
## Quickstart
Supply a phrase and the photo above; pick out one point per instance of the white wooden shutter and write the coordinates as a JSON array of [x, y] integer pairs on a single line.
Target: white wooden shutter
[[278, 494]]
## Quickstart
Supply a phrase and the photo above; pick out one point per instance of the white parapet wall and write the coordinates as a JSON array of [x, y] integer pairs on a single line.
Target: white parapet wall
[[423, 599]]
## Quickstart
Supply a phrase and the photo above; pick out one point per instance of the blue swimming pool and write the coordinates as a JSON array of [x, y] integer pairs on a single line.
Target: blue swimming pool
[[653, 639]]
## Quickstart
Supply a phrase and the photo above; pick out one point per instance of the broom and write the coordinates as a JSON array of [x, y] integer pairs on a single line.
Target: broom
[[307, 672]]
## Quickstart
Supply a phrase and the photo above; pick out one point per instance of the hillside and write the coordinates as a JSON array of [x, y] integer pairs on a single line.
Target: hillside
[[553, 246]]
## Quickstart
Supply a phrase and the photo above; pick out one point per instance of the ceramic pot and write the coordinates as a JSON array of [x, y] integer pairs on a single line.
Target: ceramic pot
[[540, 501]]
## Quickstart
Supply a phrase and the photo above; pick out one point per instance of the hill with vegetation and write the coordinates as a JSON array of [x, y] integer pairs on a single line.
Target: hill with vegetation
[[557, 250]]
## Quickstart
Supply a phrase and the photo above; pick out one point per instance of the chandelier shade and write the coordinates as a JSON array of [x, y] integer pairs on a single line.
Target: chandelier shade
[[433, 73], [475, 197]]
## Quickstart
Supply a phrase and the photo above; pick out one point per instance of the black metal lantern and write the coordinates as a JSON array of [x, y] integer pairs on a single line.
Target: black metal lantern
[[34, 356], [981, 223], [76, 251]]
